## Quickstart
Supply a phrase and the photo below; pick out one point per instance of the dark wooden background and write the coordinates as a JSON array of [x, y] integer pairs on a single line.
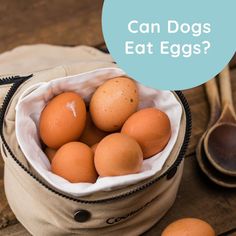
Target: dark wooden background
[[74, 22]]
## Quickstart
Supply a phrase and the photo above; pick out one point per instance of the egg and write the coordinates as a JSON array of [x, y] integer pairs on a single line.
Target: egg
[[50, 153], [151, 128], [118, 154], [74, 162], [91, 133], [62, 120], [189, 227], [113, 102]]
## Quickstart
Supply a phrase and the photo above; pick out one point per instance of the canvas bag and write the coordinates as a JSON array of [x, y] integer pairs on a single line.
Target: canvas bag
[[44, 210]]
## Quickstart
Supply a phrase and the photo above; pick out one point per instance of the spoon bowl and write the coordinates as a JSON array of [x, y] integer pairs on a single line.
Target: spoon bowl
[[212, 173], [221, 143], [220, 140]]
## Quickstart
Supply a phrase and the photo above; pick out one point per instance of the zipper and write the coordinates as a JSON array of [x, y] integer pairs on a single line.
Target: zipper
[[13, 79], [180, 157]]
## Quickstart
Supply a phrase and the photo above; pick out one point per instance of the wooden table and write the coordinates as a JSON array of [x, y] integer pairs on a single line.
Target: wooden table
[[74, 22]]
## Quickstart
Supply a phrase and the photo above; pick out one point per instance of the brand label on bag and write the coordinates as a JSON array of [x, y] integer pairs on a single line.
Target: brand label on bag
[[114, 220]]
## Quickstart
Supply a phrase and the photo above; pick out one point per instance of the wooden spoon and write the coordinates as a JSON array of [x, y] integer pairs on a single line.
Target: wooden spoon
[[209, 170], [212, 173], [220, 140]]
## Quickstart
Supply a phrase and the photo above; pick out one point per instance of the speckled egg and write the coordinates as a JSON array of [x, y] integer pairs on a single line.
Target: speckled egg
[[113, 102]]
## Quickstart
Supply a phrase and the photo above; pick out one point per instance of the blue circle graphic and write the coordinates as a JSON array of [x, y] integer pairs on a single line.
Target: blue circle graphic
[[170, 45]]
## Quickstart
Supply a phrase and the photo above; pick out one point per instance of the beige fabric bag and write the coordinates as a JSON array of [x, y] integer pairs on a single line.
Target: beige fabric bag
[[46, 211]]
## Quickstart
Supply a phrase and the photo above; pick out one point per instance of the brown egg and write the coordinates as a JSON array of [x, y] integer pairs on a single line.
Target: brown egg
[[113, 102], [50, 153], [94, 147], [151, 128], [189, 227], [74, 162], [118, 154], [91, 133], [62, 120]]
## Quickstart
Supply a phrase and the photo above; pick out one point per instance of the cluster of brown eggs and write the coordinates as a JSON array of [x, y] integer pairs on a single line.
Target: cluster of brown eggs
[[110, 139]]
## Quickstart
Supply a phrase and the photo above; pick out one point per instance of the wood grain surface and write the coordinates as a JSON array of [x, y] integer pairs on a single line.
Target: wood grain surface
[[60, 22], [74, 22]]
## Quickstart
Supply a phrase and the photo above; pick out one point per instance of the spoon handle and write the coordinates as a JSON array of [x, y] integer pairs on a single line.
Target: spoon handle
[[225, 88], [214, 100]]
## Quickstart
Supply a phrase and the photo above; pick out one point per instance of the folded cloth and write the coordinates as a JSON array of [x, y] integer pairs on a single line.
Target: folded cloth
[[33, 58], [34, 99]]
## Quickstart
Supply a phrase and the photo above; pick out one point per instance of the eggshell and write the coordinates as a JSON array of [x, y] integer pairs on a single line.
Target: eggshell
[[118, 154], [62, 120], [151, 128], [91, 133], [50, 153], [113, 102], [74, 162], [189, 227]]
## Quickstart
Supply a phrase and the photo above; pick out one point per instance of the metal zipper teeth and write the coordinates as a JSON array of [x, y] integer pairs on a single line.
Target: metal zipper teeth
[[12, 79], [182, 152]]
